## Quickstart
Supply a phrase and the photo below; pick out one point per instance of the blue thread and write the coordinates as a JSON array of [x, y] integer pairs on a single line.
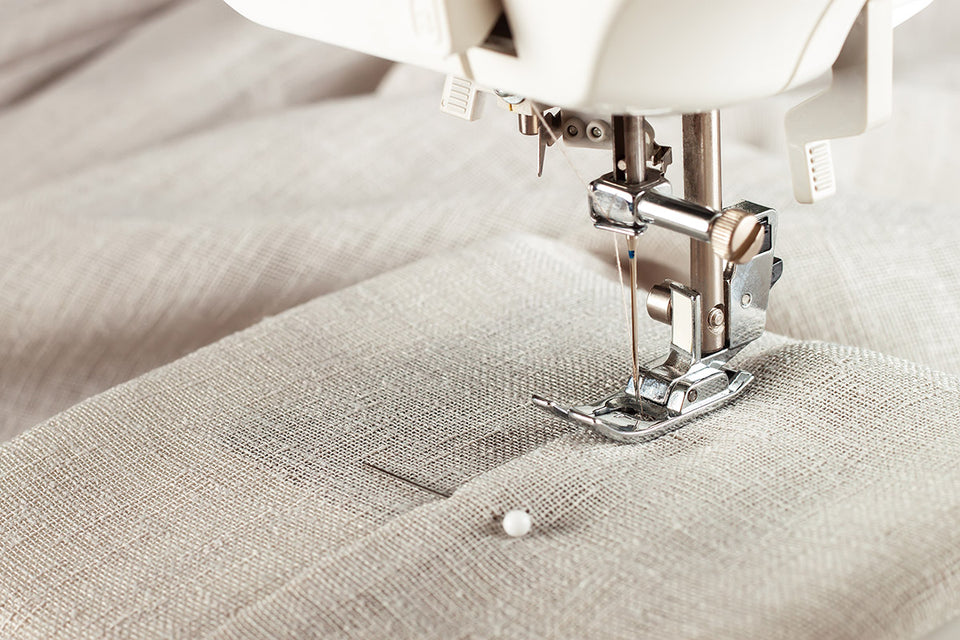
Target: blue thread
[[630, 253]]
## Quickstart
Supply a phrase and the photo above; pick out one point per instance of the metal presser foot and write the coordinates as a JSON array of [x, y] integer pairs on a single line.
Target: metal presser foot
[[722, 311]]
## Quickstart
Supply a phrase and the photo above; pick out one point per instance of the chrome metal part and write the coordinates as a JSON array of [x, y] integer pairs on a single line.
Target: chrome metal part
[[688, 381], [685, 342], [674, 214], [680, 387], [620, 418], [630, 208], [732, 262], [579, 129], [629, 150], [658, 303], [732, 270], [615, 206], [701, 158], [528, 124], [748, 293], [702, 185]]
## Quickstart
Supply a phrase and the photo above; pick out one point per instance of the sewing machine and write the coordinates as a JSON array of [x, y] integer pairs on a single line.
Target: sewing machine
[[564, 67]]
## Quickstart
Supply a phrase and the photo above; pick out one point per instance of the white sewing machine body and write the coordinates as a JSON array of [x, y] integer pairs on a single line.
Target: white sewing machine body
[[607, 56], [587, 72]]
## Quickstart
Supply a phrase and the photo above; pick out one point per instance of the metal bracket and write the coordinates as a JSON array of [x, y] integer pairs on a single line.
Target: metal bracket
[[578, 129]]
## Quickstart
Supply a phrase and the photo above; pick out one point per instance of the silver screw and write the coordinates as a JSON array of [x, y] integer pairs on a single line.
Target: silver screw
[[692, 395], [572, 131], [715, 317], [745, 300]]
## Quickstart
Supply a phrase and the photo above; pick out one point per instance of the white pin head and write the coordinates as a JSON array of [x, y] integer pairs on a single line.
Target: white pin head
[[516, 523]]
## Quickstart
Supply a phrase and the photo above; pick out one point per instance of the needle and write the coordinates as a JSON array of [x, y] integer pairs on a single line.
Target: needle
[[634, 324]]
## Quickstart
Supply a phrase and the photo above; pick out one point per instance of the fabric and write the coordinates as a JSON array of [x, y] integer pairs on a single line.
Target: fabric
[[139, 95], [42, 39], [240, 492], [175, 465]]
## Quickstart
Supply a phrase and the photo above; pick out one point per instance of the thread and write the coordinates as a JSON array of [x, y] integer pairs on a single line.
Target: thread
[[629, 317]]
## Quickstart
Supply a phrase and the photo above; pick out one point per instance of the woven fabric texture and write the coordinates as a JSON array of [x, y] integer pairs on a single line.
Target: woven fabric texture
[[269, 328], [284, 482]]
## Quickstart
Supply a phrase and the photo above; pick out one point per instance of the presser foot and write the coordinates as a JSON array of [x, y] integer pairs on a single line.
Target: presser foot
[[688, 382], [627, 417]]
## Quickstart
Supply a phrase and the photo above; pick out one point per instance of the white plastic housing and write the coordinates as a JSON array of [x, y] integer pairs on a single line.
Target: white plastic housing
[[636, 56], [641, 56], [422, 32], [859, 98]]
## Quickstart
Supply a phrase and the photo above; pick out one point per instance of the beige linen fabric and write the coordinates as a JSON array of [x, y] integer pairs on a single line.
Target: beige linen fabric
[[204, 237], [173, 174], [238, 492], [173, 196], [197, 65], [42, 39]]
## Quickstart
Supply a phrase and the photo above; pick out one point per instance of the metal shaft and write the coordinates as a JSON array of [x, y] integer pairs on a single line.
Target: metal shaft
[[701, 184], [629, 167], [629, 149]]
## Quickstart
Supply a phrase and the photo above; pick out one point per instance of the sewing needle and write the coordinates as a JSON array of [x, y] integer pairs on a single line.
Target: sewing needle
[[634, 320]]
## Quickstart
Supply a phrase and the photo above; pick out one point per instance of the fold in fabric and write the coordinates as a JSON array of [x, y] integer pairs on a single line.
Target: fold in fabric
[[240, 492], [195, 66]]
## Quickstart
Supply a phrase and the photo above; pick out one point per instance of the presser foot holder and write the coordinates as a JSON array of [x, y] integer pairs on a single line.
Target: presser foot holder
[[625, 417]]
